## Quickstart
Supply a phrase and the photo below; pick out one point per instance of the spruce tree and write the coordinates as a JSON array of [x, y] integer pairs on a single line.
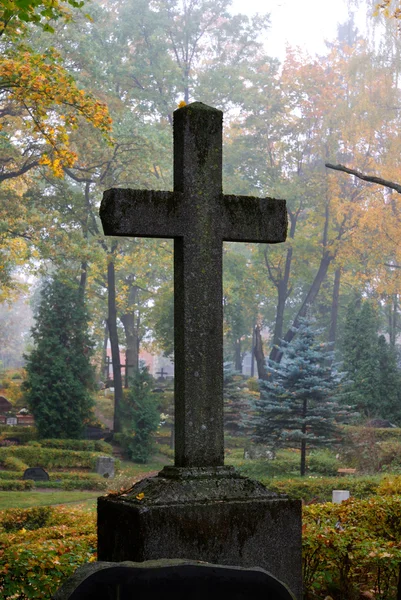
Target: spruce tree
[[361, 357], [371, 365], [297, 406], [60, 376]]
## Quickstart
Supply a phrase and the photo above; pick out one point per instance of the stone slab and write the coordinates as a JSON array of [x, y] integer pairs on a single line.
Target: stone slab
[[212, 515], [105, 466], [36, 474], [170, 580]]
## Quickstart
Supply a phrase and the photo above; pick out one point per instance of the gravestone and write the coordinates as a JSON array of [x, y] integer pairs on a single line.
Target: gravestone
[[259, 451], [36, 473], [199, 509], [105, 466], [339, 496], [170, 580]]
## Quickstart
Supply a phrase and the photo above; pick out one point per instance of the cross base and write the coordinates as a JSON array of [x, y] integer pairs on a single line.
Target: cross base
[[208, 514]]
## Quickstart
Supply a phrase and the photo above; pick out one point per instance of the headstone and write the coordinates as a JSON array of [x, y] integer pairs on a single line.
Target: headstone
[[339, 496], [255, 452], [170, 580], [105, 466], [199, 509], [11, 421], [36, 473]]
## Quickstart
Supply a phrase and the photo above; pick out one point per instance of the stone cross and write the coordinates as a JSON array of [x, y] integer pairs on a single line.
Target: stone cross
[[199, 218]]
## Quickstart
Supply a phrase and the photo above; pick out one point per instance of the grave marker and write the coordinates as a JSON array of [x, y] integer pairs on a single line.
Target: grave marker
[[199, 509], [36, 473]]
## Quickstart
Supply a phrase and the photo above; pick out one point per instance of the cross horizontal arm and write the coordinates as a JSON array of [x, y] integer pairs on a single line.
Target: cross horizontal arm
[[142, 213], [249, 219]]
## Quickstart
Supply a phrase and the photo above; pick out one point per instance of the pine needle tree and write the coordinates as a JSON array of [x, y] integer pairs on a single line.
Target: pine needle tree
[[60, 376], [298, 406]]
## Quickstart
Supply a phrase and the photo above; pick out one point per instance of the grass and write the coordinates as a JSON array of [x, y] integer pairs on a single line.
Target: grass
[[30, 499]]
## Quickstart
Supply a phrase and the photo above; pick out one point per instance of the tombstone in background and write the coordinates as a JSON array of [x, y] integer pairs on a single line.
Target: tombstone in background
[[259, 451], [36, 473], [105, 466], [170, 580], [199, 509], [339, 496]]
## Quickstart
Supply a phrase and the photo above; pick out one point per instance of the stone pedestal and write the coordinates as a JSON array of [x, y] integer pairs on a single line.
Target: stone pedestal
[[211, 514]]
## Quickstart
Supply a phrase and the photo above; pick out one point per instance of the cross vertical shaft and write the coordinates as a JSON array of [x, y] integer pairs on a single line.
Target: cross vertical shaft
[[198, 290]]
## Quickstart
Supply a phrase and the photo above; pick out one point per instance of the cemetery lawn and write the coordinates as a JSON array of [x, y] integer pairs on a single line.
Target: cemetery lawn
[[31, 499]]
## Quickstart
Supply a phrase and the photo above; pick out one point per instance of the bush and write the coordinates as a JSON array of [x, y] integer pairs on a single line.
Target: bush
[[14, 464], [322, 462], [140, 418], [31, 518], [50, 458], [24, 434], [79, 445], [166, 450], [35, 562], [320, 489], [15, 485], [352, 548]]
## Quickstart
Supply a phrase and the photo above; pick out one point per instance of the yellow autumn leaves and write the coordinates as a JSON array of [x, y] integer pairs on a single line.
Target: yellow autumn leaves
[[45, 104]]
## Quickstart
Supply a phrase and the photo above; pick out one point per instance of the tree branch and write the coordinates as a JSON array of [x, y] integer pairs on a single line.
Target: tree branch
[[369, 178]]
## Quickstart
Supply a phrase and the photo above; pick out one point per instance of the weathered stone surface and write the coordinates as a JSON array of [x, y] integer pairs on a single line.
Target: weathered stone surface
[[105, 466], [170, 580], [211, 514], [36, 474], [199, 509], [199, 218]]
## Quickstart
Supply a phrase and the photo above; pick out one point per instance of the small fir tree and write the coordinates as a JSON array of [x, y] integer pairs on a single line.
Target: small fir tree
[[297, 406], [59, 375], [140, 417]]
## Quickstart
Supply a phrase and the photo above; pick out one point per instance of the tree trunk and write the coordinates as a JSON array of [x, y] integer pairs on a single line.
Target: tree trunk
[[238, 355], [105, 366], [303, 442], [131, 329], [115, 350], [259, 354], [392, 320], [276, 354], [334, 308]]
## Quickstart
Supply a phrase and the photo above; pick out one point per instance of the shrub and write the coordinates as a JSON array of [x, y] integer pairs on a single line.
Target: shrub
[[322, 462], [31, 518], [34, 563], [79, 445], [14, 464], [140, 418], [15, 485], [320, 489], [166, 450], [50, 458], [352, 548]]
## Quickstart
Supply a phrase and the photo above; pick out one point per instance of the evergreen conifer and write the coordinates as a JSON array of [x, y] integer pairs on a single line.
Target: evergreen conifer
[[297, 406], [60, 376]]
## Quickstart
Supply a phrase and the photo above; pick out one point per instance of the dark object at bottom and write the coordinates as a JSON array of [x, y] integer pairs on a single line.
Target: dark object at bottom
[[171, 580]]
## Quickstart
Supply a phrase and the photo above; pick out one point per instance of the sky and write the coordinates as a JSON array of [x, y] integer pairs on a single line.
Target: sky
[[305, 23]]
